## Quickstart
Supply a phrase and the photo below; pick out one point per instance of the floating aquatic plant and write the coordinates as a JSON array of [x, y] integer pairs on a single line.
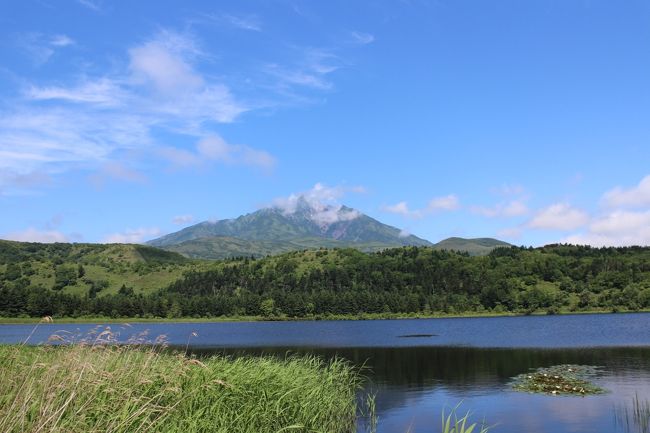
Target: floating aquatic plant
[[564, 379]]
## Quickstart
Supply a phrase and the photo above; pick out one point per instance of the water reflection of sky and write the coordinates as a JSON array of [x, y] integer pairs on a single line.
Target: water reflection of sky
[[468, 360], [403, 407]]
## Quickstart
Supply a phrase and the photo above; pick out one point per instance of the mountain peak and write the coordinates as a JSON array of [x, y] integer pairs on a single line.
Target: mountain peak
[[324, 215], [294, 223]]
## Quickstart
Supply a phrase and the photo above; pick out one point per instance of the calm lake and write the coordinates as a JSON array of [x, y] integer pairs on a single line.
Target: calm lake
[[418, 367]]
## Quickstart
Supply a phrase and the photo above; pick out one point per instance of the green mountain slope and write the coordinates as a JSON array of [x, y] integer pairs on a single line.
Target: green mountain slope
[[222, 247], [275, 230], [76, 268], [475, 247]]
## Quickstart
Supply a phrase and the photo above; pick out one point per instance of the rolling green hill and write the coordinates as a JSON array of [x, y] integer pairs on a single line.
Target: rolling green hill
[[76, 268], [223, 247], [133, 280], [475, 247]]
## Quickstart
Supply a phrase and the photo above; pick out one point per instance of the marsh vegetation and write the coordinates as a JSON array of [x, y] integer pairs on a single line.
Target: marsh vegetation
[[108, 388]]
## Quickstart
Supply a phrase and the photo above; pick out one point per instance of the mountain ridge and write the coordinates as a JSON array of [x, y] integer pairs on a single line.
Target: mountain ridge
[[302, 220], [296, 225]]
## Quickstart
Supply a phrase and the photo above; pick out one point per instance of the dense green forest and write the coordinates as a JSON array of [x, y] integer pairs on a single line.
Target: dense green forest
[[403, 281]]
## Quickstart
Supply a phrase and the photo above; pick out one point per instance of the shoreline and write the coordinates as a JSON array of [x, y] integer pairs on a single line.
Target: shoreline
[[348, 317]]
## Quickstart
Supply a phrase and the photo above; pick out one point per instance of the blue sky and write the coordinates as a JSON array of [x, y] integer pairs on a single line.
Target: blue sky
[[526, 121]]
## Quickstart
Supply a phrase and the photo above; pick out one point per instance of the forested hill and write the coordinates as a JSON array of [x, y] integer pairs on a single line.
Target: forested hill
[[404, 280]]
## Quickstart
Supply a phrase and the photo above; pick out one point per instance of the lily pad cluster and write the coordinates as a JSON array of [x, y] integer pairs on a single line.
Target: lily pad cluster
[[566, 379]]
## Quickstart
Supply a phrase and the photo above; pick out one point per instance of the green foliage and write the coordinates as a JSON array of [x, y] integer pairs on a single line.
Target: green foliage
[[453, 423], [559, 380], [126, 389], [64, 275], [326, 283], [267, 307], [474, 247]]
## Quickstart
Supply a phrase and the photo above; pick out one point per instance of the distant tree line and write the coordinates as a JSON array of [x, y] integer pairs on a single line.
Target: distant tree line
[[409, 280]]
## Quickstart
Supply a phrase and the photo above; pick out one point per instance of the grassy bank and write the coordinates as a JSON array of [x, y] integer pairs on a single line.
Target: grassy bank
[[124, 389], [362, 316]]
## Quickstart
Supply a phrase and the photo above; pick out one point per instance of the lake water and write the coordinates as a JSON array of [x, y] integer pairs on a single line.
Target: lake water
[[418, 367]]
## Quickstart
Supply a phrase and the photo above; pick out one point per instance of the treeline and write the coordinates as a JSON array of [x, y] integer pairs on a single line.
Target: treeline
[[410, 280]]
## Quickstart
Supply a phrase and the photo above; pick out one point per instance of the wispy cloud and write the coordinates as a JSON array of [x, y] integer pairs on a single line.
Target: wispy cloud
[[95, 5], [437, 204], [323, 201], [508, 209], [559, 216], [244, 22], [114, 170], [362, 38], [241, 22], [623, 220], [618, 228], [35, 235], [183, 219], [311, 70], [512, 203], [41, 47], [216, 149], [133, 236], [102, 92], [447, 203], [61, 41], [90, 122], [636, 196]]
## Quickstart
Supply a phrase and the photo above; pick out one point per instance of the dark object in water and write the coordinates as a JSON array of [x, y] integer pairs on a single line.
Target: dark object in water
[[417, 335]]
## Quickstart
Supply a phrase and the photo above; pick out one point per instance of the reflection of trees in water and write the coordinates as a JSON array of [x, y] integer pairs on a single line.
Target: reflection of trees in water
[[460, 367], [398, 375]]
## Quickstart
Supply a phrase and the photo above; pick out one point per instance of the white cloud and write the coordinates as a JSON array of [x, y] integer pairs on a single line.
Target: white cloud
[[180, 157], [216, 149], [438, 204], [245, 23], [402, 208], [183, 219], [404, 233], [132, 236], [61, 41], [508, 189], [50, 141], [241, 22], [509, 209], [618, 228], [322, 202], [362, 38], [118, 171], [311, 71], [42, 47], [559, 216], [94, 5], [87, 125], [510, 233], [164, 66], [637, 196], [446, 203], [103, 92], [34, 235], [163, 62]]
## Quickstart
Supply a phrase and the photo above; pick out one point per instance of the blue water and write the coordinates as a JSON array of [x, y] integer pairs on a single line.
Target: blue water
[[452, 360], [597, 330]]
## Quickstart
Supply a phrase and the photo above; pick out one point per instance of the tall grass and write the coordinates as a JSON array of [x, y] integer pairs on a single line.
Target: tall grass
[[634, 416], [454, 423], [108, 388]]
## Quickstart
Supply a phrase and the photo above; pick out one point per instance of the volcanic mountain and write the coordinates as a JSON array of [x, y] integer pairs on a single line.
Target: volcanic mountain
[[300, 225]]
